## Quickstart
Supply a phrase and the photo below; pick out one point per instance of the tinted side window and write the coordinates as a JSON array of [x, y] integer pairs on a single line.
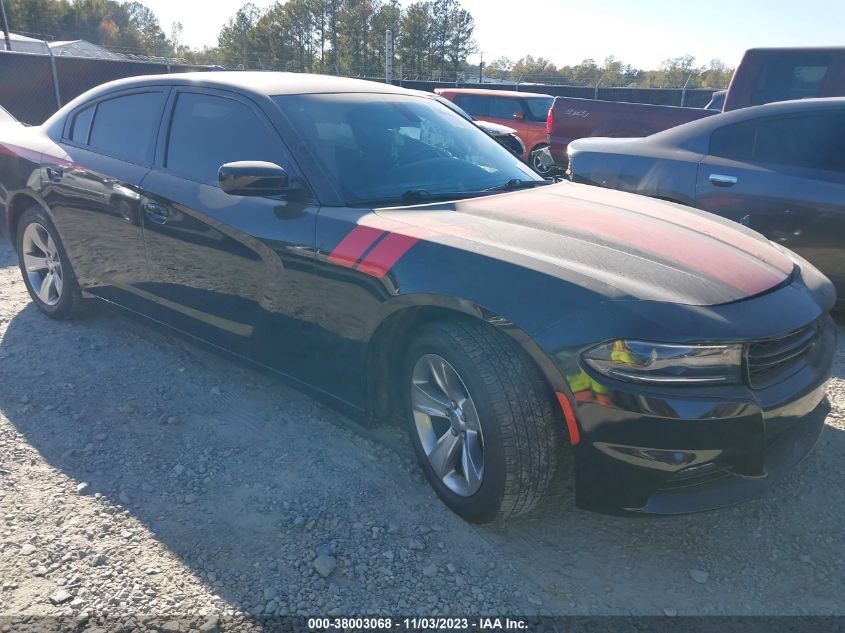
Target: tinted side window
[[471, 104], [812, 141], [735, 142], [82, 126], [503, 108], [538, 108], [209, 131], [784, 77], [125, 126]]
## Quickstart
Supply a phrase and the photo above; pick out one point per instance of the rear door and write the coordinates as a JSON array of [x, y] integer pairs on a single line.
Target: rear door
[[220, 265], [783, 176], [93, 189]]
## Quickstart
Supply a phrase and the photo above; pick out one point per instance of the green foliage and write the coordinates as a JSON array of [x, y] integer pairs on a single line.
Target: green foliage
[[126, 25], [432, 40]]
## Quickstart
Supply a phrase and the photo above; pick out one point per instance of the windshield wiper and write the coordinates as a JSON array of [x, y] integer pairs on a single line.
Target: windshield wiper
[[516, 183], [416, 196]]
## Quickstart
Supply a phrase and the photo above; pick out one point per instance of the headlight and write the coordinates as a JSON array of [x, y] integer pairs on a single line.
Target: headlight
[[641, 361]]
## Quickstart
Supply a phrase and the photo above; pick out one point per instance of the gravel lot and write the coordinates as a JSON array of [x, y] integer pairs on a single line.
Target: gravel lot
[[142, 474]]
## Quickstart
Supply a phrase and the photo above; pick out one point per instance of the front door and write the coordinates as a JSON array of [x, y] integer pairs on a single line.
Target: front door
[[220, 264]]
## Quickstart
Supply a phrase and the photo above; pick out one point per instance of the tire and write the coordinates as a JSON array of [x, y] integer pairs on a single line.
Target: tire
[[512, 405], [64, 299]]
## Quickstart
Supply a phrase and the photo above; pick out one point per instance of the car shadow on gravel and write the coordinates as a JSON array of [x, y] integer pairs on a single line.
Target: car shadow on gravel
[[244, 481], [7, 257]]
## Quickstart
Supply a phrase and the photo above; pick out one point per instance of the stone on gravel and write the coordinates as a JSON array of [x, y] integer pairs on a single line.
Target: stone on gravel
[[416, 544], [28, 549], [83, 489], [325, 565], [430, 571], [536, 600], [60, 597], [210, 625], [670, 612], [699, 575], [172, 626]]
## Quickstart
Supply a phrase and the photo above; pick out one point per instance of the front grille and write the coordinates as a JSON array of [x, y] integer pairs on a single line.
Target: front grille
[[776, 359]]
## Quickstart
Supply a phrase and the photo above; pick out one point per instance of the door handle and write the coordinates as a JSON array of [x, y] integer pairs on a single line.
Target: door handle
[[54, 174], [721, 180], [156, 213]]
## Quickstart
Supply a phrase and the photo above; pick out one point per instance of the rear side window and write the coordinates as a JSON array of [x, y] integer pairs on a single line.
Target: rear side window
[[812, 141], [504, 108], [538, 108], [125, 127], [786, 77], [82, 126], [471, 104], [735, 142], [208, 131]]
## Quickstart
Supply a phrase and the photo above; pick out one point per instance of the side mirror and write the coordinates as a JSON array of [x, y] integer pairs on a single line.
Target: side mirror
[[519, 116], [253, 178]]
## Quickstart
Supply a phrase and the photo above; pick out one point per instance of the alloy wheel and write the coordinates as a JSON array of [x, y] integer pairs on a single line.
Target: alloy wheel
[[447, 424], [42, 263]]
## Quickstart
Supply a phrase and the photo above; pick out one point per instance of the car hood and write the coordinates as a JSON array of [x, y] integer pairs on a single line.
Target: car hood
[[494, 129], [618, 244]]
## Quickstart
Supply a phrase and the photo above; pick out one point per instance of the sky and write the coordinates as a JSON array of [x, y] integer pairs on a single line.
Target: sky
[[639, 32]]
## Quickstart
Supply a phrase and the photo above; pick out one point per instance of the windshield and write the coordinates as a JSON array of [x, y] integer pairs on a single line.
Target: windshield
[[378, 146]]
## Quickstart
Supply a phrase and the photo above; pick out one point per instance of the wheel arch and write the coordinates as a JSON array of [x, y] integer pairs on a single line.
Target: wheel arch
[[385, 349], [18, 203]]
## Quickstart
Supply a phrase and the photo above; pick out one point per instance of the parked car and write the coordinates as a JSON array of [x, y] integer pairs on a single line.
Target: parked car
[[525, 111], [506, 136], [385, 254], [778, 169], [763, 76]]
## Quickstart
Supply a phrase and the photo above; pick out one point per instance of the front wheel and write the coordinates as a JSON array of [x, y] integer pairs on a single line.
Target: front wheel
[[481, 420], [45, 266]]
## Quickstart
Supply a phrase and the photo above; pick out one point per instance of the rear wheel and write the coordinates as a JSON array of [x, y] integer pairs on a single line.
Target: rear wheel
[[481, 419], [45, 267]]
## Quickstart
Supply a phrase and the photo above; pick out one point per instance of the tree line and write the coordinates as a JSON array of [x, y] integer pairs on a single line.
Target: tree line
[[674, 72], [432, 39]]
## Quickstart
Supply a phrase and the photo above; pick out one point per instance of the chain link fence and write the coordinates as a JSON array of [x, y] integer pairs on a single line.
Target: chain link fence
[[33, 86]]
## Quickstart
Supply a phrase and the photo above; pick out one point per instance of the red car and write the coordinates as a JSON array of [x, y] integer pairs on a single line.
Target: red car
[[526, 112]]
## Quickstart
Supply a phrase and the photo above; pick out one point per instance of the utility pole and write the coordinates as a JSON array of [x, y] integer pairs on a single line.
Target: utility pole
[[388, 57], [5, 26], [481, 69]]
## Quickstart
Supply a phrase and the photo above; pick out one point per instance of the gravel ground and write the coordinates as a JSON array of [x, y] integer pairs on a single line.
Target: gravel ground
[[144, 476]]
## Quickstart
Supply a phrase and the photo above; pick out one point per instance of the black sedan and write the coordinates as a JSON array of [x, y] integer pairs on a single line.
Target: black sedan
[[384, 253], [777, 168]]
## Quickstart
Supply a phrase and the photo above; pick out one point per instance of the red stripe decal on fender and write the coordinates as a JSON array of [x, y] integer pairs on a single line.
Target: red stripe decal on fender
[[353, 245], [386, 253]]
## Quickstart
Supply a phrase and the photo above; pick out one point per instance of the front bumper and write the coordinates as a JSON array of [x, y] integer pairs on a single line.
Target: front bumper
[[668, 453]]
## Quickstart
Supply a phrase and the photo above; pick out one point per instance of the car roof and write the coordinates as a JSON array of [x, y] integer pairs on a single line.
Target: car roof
[[259, 82], [680, 134], [500, 93]]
